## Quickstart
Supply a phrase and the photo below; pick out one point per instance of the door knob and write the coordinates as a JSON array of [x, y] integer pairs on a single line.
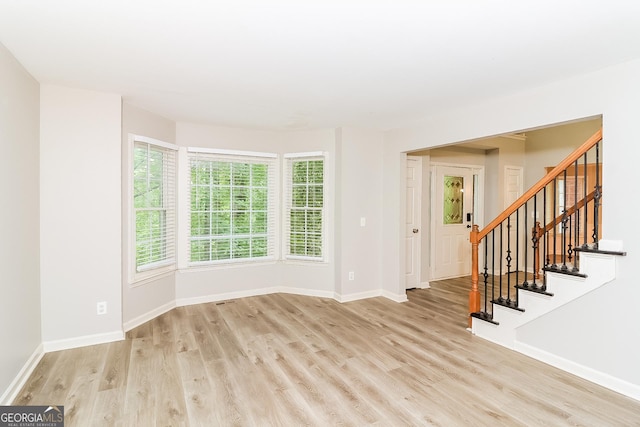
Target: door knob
[[468, 226], [415, 230]]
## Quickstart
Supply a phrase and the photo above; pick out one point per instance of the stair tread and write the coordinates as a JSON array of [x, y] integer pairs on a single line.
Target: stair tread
[[566, 271], [598, 251], [507, 304], [484, 316], [537, 289]]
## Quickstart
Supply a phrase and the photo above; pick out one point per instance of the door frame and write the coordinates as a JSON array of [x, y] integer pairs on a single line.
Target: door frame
[[417, 242], [478, 200]]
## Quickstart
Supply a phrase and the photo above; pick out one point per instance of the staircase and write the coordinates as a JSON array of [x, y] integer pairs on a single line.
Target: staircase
[[531, 267], [596, 268]]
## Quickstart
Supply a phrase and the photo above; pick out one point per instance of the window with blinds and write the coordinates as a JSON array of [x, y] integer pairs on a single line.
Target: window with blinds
[[154, 204], [232, 207], [305, 206]]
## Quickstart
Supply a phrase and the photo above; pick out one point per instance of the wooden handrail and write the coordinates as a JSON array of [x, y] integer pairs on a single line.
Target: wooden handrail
[[575, 155], [557, 220]]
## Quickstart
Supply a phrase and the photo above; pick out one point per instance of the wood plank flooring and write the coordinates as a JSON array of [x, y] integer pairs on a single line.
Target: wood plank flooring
[[288, 360]]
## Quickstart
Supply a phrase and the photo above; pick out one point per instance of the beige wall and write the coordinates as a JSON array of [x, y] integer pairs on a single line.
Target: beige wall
[[20, 321], [545, 146]]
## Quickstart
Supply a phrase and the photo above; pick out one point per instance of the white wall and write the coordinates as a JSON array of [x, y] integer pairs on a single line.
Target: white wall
[[145, 300], [614, 92], [20, 326], [360, 164], [80, 216], [222, 282]]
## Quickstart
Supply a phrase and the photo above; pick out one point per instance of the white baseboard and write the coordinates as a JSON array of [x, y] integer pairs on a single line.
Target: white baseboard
[[143, 318], [180, 302], [86, 340], [252, 293], [425, 285], [358, 296], [395, 297], [307, 292], [11, 393], [616, 384]]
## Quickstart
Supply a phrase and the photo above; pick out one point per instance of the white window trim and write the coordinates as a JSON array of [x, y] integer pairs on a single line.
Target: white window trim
[[137, 277], [325, 209]]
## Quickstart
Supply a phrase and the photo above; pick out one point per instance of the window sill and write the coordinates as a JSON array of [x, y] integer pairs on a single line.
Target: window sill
[[305, 261], [226, 265]]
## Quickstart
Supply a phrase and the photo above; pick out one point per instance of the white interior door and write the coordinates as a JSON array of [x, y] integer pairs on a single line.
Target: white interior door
[[413, 221], [452, 200]]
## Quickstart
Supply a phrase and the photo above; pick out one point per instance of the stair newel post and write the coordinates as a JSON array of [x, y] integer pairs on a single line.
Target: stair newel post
[[474, 294]]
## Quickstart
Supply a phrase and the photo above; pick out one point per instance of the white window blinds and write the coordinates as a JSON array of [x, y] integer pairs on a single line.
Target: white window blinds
[[154, 204], [232, 207], [305, 206]]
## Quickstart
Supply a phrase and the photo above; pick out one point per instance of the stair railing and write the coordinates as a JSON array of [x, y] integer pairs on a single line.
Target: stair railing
[[569, 221], [509, 261]]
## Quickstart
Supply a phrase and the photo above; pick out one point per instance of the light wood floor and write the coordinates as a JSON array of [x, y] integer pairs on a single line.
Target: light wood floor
[[287, 360]]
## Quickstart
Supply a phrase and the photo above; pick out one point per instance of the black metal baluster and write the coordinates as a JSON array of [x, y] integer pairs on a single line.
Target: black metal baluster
[[535, 239], [553, 219], [501, 299], [576, 214], [517, 252], [577, 238], [545, 236], [493, 268], [570, 246], [564, 222], [585, 243], [596, 200], [486, 275], [525, 283], [508, 259]]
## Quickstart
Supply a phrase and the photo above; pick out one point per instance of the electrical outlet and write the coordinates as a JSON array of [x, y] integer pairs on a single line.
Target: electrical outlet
[[101, 308], [352, 275], [363, 221]]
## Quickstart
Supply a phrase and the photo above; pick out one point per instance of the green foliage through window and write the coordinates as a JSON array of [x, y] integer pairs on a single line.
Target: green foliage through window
[[153, 169], [306, 208], [229, 210]]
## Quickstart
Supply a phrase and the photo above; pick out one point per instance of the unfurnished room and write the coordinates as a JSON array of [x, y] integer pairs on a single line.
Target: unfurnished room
[[281, 213]]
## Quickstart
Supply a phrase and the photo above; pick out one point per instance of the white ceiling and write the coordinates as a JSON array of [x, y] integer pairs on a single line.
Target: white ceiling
[[300, 64]]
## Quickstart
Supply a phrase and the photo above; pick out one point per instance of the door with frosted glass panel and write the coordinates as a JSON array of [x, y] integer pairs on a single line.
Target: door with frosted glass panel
[[453, 217]]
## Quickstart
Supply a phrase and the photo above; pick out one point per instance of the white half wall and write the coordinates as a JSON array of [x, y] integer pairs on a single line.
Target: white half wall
[[80, 221], [20, 325], [610, 347]]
